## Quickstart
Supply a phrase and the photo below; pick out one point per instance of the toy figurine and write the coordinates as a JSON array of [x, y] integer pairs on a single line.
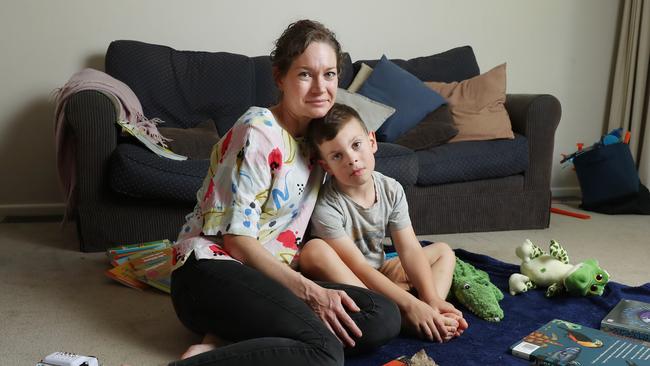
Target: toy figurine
[[554, 272]]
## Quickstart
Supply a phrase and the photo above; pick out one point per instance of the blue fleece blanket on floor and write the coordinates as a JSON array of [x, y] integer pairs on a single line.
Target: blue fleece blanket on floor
[[486, 343]]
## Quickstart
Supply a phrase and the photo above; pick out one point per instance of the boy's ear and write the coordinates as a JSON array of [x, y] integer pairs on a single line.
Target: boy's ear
[[324, 165], [373, 141]]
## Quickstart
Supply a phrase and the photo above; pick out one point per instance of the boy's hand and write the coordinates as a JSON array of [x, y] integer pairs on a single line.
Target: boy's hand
[[330, 307], [447, 309], [428, 323]]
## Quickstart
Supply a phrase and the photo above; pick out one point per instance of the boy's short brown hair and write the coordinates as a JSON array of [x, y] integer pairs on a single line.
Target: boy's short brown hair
[[327, 127]]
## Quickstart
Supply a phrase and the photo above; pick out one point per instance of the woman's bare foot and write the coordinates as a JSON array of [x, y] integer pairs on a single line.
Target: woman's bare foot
[[195, 349], [208, 343]]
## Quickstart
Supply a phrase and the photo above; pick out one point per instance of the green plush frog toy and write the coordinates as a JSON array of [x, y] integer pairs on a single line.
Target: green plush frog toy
[[554, 272]]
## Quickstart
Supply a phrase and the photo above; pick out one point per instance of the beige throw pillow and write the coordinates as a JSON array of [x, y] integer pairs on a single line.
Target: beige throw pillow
[[478, 105], [362, 76]]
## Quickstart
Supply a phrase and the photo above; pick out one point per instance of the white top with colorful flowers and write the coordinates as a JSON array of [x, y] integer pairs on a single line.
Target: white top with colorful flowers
[[261, 183]]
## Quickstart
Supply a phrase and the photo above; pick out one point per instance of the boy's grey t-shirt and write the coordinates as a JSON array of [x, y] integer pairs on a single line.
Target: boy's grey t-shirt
[[336, 215]]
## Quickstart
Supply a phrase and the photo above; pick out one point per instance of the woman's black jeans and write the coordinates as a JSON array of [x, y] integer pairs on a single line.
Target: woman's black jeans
[[267, 322]]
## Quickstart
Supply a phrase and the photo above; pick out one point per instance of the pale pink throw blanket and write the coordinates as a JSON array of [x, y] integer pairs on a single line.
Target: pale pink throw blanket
[[127, 106]]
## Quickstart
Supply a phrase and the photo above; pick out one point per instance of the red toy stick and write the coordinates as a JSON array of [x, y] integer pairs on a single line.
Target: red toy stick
[[569, 213], [626, 139]]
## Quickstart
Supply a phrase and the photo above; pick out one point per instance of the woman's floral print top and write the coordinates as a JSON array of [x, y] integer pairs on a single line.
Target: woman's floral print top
[[260, 184]]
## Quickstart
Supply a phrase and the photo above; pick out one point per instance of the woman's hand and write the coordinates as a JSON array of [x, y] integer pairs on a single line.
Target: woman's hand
[[330, 306], [429, 323]]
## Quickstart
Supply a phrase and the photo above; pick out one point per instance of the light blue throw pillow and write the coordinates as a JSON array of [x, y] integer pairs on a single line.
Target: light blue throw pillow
[[371, 111], [391, 85]]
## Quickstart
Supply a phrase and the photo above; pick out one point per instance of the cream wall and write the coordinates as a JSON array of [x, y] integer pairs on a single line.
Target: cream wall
[[559, 47]]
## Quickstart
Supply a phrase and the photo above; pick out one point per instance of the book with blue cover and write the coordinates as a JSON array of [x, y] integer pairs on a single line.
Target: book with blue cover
[[562, 343], [629, 318]]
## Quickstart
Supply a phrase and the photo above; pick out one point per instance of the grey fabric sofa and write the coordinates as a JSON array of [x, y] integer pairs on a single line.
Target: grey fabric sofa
[[126, 194]]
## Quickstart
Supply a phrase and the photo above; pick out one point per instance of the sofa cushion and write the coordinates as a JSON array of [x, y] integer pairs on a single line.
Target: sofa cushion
[[391, 85], [371, 112], [362, 75], [397, 162], [137, 172], [347, 71], [195, 142], [435, 129], [266, 93], [455, 64], [472, 160], [478, 105], [184, 88]]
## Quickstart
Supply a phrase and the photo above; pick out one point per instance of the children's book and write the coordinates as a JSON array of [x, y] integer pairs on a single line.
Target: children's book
[[419, 359], [159, 150], [399, 361], [629, 318], [124, 274], [560, 342], [131, 248], [154, 268], [142, 264]]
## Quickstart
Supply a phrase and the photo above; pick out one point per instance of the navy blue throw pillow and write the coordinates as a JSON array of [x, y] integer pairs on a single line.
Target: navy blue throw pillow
[[391, 85]]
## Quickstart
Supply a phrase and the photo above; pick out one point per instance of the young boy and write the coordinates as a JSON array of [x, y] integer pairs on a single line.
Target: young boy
[[354, 209]]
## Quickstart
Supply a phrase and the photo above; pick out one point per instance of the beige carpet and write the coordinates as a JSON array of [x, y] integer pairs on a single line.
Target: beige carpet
[[54, 298]]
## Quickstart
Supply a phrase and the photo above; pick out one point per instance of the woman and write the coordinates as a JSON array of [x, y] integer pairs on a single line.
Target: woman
[[233, 278]]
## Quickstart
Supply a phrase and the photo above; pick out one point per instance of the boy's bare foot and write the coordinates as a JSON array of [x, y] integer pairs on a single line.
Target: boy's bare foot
[[462, 323]]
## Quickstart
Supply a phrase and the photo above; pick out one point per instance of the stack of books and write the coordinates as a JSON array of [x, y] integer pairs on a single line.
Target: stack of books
[[141, 265], [621, 341]]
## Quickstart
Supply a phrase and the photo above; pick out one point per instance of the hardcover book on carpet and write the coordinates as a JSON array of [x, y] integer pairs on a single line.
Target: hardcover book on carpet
[[560, 342], [629, 318]]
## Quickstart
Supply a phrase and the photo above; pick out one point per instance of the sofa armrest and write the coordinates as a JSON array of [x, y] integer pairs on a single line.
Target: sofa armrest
[[91, 116], [536, 116]]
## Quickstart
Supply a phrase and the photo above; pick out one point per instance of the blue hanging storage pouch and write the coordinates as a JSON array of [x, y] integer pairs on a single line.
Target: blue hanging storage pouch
[[606, 173]]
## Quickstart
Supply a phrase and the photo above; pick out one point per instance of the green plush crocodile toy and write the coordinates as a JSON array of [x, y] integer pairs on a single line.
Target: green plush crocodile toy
[[473, 289]]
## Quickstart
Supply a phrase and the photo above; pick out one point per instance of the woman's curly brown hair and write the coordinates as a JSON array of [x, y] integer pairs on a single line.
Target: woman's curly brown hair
[[295, 40]]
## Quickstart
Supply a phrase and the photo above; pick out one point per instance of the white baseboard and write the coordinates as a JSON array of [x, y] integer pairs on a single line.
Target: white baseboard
[[32, 209], [566, 192]]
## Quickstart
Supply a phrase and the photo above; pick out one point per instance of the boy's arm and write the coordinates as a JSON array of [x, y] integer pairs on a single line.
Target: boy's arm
[[372, 278], [418, 268]]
